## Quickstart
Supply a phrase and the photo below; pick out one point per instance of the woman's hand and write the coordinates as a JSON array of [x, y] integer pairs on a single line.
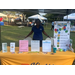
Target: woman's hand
[[29, 34], [49, 37], [46, 34]]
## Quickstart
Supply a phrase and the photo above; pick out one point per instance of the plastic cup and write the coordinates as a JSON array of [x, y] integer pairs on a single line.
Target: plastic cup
[[64, 50], [54, 49], [61, 50]]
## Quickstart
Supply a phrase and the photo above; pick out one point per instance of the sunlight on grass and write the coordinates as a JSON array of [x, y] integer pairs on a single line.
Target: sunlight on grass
[[13, 33], [10, 38]]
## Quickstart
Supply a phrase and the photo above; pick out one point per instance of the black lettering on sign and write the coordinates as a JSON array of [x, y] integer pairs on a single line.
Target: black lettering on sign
[[33, 63], [37, 63]]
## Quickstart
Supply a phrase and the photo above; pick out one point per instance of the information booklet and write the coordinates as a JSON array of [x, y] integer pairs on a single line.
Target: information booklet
[[4, 47], [35, 45], [12, 47], [23, 45], [46, 46]]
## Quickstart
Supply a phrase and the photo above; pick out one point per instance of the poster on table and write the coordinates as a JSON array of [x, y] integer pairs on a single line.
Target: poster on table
[[62, 34], [35, 45], [12, 47], [23, 45], [52, 40], [4, 47], [46, 46]]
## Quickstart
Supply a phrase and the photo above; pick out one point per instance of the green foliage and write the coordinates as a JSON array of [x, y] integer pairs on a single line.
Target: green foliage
[[53, 17], [9, 12], [28, 14]]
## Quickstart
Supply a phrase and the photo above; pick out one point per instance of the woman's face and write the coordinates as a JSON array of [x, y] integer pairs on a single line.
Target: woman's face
[[37, 22]]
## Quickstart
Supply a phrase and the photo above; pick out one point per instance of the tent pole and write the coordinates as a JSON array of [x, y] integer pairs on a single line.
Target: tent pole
[[67, 13], [23, 18]]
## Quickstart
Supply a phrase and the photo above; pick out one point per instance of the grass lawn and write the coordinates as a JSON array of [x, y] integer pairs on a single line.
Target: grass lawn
[[14, 34]]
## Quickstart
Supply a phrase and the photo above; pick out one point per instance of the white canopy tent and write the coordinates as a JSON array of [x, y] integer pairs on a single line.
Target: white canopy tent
[[3, 15], [70, 16], [37, 16]]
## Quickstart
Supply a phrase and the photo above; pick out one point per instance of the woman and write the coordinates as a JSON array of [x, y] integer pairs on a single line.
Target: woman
[[38, 29]]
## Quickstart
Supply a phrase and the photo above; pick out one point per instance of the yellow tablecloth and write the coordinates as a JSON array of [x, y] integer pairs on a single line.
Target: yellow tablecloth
[[26, 58]]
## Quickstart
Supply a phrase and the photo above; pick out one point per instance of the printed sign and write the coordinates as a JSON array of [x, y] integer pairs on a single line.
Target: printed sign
[[46, 45], [35, 45], [12, 47], [23, 45], [4, 47], [62, 34]]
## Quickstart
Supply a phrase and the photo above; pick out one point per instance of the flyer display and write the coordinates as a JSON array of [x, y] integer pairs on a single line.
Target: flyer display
[[4, 47], [46, 46], [35, 45], [23, 45], [12, 47]]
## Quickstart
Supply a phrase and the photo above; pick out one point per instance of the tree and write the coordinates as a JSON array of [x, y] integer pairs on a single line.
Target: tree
[[9, 12], [54, 17], [28, 14]]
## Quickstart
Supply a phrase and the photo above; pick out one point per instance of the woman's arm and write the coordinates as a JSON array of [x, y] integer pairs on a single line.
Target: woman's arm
[[29, 34], [46, 34]]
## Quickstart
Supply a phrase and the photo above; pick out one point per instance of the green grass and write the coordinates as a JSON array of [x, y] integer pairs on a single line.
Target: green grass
[[14, 34]]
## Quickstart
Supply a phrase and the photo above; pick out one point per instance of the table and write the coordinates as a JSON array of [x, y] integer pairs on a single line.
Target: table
[[26, 58]]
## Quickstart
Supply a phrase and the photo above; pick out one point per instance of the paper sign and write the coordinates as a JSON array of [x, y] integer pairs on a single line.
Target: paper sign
[[52, 40], [35, 45], [46, 46], [4, 47], [62, 36], [23, 45], [12, 47]]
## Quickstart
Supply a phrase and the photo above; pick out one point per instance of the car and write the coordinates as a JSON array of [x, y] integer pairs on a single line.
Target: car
[[19, 22]]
